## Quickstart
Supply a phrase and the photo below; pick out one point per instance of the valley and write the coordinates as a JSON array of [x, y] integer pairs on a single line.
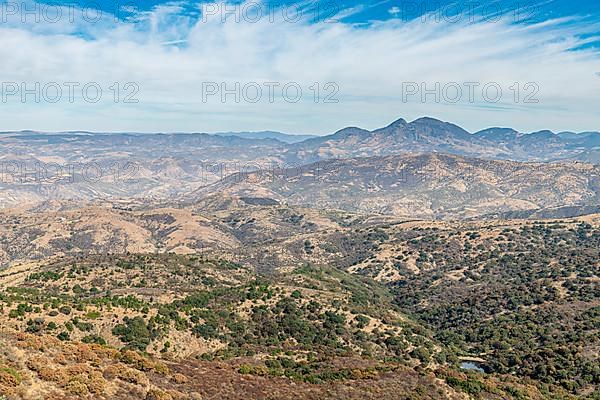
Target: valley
[[418, 261], [275, 291]]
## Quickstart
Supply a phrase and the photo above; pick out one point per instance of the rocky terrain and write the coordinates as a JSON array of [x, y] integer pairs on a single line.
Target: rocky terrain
[[82, 166], [430, 186], [432, 135], [335, 304], [416, 261]]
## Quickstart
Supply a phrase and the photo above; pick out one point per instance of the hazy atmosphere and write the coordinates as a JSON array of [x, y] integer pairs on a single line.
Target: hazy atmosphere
[[314, 200]]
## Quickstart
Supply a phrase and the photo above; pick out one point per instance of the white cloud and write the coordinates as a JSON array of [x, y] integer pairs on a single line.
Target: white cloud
[[169, 54]]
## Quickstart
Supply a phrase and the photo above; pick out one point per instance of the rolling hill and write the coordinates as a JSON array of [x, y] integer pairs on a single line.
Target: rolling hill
[[82, 166], [422, 186]]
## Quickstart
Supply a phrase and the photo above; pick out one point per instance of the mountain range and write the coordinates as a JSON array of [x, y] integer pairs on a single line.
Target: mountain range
[[415, 261], [421, 135], [428, 185], [451, 172], [432, 135], [282, 137]]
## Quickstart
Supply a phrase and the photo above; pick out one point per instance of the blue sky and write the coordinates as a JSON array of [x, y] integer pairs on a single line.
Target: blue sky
[[379, 10], [189, 66]]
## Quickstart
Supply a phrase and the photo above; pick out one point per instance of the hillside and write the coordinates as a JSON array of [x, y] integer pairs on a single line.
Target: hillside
[[272, 290], [213, 269], [432, 135], [316, 333], [82, 166], [422, 186], [312, 333]]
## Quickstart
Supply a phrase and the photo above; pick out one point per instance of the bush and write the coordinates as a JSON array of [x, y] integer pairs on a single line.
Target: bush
[[94, 339], [65, 310], [134, 332]]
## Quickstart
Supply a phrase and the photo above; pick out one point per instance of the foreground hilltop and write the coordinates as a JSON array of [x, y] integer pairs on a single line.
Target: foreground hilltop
[[330, 303]]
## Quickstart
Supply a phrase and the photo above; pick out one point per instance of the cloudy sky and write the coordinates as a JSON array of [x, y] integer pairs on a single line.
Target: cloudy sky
[[298, 67]]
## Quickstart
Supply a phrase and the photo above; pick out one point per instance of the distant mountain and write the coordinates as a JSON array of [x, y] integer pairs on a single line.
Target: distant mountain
[[79, 165], [498, 134], [585, 139], [432, 135], [421, 186], [419, 136], [282, 137], [422, 135]]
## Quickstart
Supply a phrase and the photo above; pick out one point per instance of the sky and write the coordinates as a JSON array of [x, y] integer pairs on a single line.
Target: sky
[[298, 67]]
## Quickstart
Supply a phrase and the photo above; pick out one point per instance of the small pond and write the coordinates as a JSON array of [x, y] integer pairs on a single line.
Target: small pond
[[471, 366]]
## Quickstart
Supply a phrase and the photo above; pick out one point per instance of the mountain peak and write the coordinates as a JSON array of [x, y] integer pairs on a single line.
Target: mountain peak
[[497, 133], [398, 123], [544, 133], [435, 128], [497, 130], [349, 131], [427, 121]]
